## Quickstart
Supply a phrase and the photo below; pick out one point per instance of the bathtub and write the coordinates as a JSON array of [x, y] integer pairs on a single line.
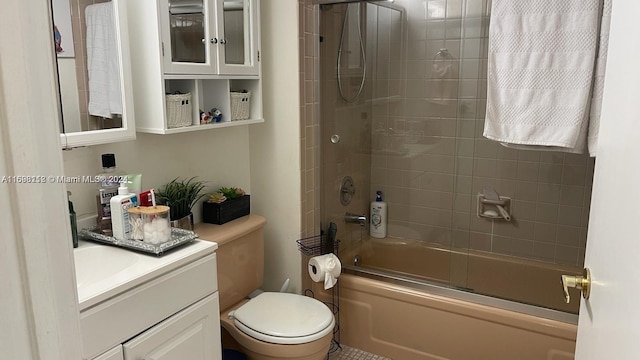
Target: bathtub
[[413, 312]]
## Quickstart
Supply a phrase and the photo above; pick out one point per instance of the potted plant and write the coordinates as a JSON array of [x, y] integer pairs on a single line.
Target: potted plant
[[225, 205], [180, 195]]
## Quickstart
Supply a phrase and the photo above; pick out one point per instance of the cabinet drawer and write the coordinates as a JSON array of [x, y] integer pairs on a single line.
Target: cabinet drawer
[[126, 315]]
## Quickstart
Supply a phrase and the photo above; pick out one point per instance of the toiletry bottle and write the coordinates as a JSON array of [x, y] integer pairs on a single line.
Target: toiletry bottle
[[108, 182], [74, 224], [378, 227], [119, 215]]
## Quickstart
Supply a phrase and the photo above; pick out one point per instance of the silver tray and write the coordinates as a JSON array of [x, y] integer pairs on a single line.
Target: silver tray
[[178, 237]]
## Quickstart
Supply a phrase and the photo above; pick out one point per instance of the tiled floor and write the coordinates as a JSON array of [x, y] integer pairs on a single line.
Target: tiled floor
[[349, 353]]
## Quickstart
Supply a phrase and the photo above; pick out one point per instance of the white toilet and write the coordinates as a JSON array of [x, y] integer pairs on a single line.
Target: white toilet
[[271, 325]]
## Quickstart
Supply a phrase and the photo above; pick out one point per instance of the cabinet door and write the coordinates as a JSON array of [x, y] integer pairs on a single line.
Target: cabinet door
[[193, 333], [238, 27], [113, 354], [189, 36]]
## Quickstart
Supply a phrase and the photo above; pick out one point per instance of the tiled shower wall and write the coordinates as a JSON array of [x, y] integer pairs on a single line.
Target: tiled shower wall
[[428, 154], [309, 118], [430, 159]]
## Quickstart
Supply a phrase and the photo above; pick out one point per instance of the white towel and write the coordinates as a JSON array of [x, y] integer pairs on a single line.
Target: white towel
[[541, 62], [598, 81], [103, 66]]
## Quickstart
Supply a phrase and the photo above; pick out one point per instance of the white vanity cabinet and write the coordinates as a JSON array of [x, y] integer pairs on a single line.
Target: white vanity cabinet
[[205, 48], [172, 314]]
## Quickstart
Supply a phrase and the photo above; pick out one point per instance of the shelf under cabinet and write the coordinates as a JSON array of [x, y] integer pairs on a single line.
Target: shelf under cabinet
[[200, 127]]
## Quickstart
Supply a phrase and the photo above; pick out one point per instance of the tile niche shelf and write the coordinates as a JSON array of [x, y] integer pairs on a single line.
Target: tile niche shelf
[[205, 95]]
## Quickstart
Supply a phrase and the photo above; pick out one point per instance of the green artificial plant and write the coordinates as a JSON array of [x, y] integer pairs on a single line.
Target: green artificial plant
[[180, 195]]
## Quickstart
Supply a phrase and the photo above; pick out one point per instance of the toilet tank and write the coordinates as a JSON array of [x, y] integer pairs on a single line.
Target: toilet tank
[[240, 256]]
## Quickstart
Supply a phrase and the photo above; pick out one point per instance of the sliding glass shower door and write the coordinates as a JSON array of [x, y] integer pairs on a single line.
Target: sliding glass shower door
[[403, 97]]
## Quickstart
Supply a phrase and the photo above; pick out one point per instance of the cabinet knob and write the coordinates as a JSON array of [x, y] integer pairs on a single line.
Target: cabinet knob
[[204, 41], [223, 41], [215, 40]]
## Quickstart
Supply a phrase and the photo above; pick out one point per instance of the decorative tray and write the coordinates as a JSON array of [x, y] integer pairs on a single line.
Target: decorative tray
[[178, 237]]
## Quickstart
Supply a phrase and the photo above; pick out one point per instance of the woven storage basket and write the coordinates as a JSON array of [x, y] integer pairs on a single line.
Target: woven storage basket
[[240, 105], [179, 110]]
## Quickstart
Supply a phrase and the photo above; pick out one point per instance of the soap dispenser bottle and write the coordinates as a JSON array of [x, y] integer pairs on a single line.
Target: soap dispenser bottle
[[120, 204], [378, 226]]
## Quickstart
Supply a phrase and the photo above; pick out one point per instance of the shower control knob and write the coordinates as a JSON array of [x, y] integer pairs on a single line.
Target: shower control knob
[[582, 283]]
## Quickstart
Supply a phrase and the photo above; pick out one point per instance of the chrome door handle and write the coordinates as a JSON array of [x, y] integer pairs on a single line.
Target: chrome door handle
[[582, 283]]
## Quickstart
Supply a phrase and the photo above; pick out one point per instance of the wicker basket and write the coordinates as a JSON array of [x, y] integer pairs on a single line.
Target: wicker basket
[[240, 105], [179, 110]]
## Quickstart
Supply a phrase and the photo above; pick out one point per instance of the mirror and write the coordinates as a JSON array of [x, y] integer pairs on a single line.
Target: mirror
[[235, 18], [94, 77]]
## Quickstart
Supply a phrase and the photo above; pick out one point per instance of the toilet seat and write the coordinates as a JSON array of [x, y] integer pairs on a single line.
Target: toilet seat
[[283, 318]]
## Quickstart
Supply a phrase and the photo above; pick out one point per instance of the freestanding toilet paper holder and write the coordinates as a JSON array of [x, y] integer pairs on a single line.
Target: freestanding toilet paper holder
[[319, 245]]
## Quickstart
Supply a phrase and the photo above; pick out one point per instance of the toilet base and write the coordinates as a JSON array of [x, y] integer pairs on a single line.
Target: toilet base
[[233, 338]]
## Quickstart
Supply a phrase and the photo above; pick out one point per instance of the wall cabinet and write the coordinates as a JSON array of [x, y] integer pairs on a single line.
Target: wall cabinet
[[206, 48], [210, 36]]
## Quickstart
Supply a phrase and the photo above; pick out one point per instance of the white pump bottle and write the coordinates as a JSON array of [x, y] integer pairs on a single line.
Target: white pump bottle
[[378, 226], [119, 214]]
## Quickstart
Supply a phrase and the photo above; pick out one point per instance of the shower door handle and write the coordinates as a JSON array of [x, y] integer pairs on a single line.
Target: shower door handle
[[582, 283]]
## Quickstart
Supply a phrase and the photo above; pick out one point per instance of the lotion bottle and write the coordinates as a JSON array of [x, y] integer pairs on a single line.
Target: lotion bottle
[[119, 215], [378, 226]]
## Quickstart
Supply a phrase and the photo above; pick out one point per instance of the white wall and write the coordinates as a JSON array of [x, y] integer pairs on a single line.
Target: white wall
[[275, 145], [263, 159], [220, 157]]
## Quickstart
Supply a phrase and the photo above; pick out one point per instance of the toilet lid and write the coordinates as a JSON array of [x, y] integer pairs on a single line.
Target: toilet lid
[[283, 318]]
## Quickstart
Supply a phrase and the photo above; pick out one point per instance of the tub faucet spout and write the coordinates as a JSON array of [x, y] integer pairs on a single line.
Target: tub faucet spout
[[355, 218]]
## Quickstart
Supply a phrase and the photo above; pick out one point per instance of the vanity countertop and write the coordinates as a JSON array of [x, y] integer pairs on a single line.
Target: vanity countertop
[[104, 271]]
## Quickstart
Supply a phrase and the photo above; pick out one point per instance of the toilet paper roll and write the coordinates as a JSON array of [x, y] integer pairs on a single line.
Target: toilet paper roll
[[325, 268]]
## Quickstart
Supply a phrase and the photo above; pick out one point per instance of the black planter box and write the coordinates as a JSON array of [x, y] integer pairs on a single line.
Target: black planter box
[[225, 211]]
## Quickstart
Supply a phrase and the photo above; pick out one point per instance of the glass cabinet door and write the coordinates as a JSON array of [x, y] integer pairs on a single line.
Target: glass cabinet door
[[188, 37], [238, 50], [187, 27], [210, 37]]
